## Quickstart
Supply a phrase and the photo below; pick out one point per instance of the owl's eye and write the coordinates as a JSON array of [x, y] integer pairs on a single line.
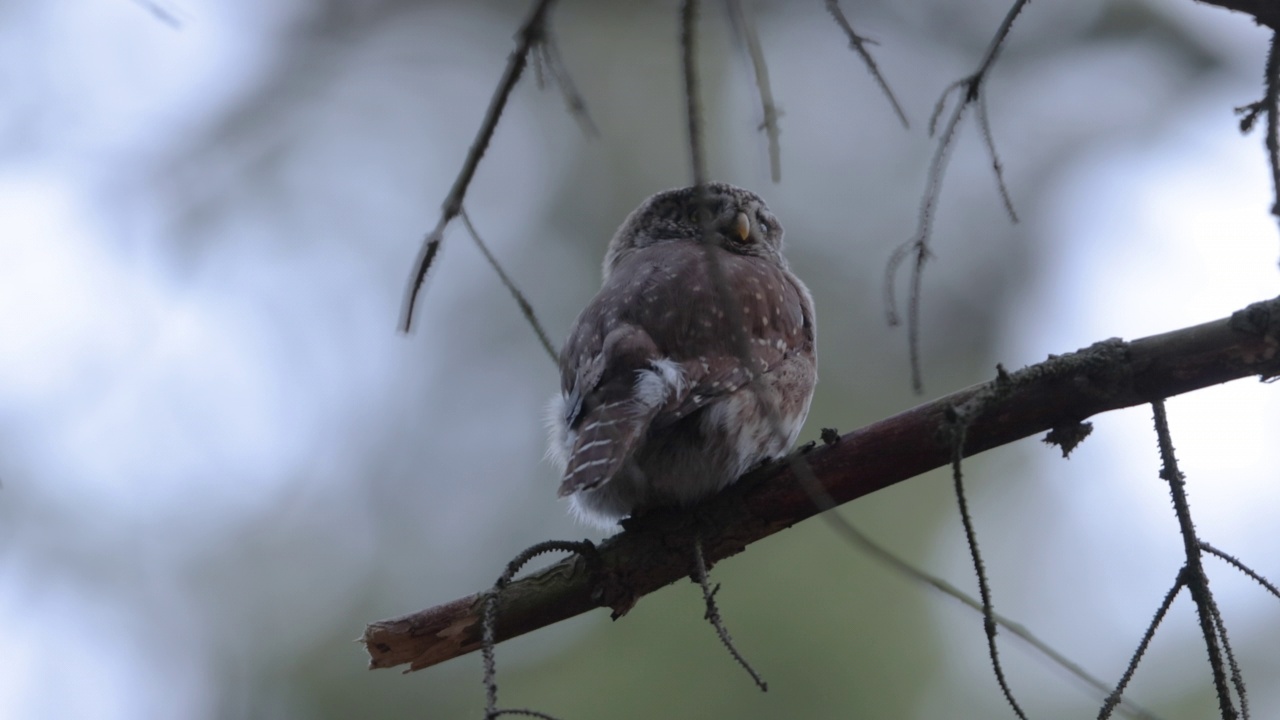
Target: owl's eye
[[699, 216], [763, 223]]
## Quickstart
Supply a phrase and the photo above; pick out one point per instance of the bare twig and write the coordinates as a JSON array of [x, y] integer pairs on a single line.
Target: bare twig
[[918, 245], [713, 614], [161, 12], [525, 308], [549, 56], [1232, 561], [1272, 99], [1237, 678], [984, 123], [859, 45], [652, 551], [1269, 106], [858, 538], [1196, 580], [1114, 698], [692, 106], [531, 33], [490, 621], [959, 427], [745, 25]]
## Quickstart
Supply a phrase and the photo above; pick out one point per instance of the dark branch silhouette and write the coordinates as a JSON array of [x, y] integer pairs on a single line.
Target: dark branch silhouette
[[651, 552], [1114, 698], [860, 540], [1235, 563], [713, 614], [745, 27], [582, 549], [1272, 100], [549, 68], [1194, 577], [859, 45], [1269, 106], [918, 245], [531, 33], [1237, 678], [960, 417], [1264, 12], [526, 309]]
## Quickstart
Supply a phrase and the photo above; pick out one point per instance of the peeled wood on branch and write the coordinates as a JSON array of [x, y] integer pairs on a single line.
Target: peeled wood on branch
[[654, 550]]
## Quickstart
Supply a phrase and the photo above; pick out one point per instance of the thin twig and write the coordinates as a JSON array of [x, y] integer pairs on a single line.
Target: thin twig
[[1114, 698], [525, 308], [1197, 581], [746, 27], [857, 538], [984, 123], [490, 618], [859, 45], [1237, 564], [164, 14], [549, 52], [959, 430], [713, 614], [1272, 99], [1237, 678], [531, 33], [692, 106], [918, 246], [919, 242], [1270, 106]]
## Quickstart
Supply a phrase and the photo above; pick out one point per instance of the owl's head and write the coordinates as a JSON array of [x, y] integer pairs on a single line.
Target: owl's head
[[737, 220]]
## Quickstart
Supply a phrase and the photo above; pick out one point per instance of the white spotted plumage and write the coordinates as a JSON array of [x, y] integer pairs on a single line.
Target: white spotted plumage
[[657, 405]]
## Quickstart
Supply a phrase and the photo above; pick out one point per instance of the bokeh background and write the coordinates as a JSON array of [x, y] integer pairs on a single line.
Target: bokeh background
[[219, 459]]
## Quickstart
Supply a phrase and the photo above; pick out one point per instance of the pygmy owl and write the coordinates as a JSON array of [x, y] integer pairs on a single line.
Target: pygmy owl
[[658, 404]]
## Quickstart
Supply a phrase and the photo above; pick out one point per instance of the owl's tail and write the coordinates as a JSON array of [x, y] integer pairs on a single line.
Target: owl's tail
[[605, 439]]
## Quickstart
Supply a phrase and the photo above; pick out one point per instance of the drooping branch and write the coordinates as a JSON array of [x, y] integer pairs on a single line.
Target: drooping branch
[[1195, 578], [968, 91], [531, 34], [652, 551]]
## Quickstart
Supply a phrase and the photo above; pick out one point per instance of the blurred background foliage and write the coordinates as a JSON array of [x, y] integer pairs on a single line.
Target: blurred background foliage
[[219, 459]]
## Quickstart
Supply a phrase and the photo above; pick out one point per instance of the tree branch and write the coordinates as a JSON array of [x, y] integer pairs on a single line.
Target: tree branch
[[652, 551], [1264, 12], [532, 32]]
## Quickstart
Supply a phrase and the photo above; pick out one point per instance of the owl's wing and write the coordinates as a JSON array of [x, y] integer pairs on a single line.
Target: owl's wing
[[607, 408], [723, 376]]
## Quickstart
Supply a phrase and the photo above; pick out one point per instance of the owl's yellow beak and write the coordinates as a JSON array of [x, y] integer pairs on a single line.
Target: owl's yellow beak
[[742, 226]]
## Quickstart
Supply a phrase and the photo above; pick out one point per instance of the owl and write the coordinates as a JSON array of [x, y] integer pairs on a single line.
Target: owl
[[658, 403]]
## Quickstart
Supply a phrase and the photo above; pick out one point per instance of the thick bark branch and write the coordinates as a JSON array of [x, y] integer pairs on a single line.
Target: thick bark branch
[[1264, 12], [656, 550]]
